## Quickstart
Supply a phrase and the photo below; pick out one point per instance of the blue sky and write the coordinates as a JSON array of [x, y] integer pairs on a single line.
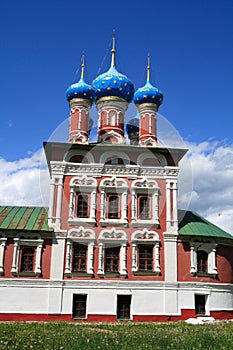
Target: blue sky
[[190, 43]]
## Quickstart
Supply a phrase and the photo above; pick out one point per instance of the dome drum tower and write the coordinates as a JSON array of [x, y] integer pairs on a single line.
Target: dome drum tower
[[80, 97], [148, 99]]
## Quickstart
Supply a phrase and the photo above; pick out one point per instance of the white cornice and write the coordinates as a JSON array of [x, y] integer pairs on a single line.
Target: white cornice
[[98, 170]]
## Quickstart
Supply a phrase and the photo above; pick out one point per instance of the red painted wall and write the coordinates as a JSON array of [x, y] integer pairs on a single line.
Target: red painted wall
[[45, 259], [224, 264]]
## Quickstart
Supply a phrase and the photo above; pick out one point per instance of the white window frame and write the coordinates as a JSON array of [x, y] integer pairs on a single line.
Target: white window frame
[[147, 187], [83, 185], [3, 240], [85, 237], [119, 187], [113, 238], [142, 238], [32, 240], [210, 249]]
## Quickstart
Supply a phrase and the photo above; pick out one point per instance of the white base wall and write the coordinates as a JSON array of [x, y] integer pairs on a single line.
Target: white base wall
[[147, 298]]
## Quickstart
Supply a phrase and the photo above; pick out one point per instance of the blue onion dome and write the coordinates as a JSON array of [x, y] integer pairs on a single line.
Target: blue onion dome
[[113, 83], [148, 93], [80, 89], [132, 127]]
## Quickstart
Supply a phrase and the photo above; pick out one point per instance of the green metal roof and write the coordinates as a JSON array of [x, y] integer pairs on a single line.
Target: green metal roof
[[24, 218], [192, 224]]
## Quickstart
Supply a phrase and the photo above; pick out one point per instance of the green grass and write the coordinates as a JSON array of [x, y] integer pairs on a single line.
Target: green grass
[[115, 336]]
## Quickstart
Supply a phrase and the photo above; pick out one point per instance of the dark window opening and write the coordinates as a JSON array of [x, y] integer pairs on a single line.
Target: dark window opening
[[79, 305], [202, 261], [144, 207], [113, 207], [78, 159], [123, 307], [200, 301], [79, 257], [145, 257], [27, 259], [114, 161], [82, 206], [112, 259]]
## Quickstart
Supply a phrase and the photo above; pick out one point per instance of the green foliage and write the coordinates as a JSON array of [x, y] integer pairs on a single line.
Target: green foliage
[[115, 336]]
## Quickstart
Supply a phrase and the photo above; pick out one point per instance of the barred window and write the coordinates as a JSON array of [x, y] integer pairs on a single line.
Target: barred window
[[144, 207], [79, 257], [112, 259], [145, 257], [27, 259], [113, 207], [82, 206], [202, 261]]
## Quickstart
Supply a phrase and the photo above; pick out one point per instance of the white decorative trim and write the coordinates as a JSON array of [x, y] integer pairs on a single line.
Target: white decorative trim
[[146, 237], [145, 186], [114, 238], [120, 187], [82, 184], [80, 136], [171, 208], [117, 154], [3, 240], [98, 170], [210, 249], [149, 141], [32, 240], [82, 236], [103, 138], [149, 154], [78, 107]]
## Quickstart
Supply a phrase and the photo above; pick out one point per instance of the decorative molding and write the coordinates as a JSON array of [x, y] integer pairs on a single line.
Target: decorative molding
[[82, 184], [146, 237], [103, 138], [210, 249], [82, 236], [113, 238], [32, 240], [99, 170]]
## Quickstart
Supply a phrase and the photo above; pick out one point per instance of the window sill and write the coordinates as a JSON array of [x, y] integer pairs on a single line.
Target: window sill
[[83, 221], [145, 223], [114, 222], [78, 274], [26, 274], [112, 275], [202, 274], [146, 273]]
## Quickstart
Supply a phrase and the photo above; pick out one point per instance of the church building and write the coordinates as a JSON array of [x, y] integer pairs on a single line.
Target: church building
[[113, 245]]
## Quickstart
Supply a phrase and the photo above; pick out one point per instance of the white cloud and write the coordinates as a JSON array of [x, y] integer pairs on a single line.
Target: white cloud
[[206, 181], [24, 181], [212, 177]]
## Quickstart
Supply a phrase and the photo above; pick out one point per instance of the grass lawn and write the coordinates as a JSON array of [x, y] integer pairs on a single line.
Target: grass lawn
[[115, 336]]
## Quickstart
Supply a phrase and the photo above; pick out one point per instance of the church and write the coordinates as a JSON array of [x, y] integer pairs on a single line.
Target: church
[[113, 245]]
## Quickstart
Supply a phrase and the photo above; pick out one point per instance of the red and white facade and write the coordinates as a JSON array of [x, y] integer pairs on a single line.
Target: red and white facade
[[113, 250]]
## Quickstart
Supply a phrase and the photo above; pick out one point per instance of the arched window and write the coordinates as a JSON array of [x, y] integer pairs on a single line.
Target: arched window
[[203, 258], [112, 117], [202, 261]]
